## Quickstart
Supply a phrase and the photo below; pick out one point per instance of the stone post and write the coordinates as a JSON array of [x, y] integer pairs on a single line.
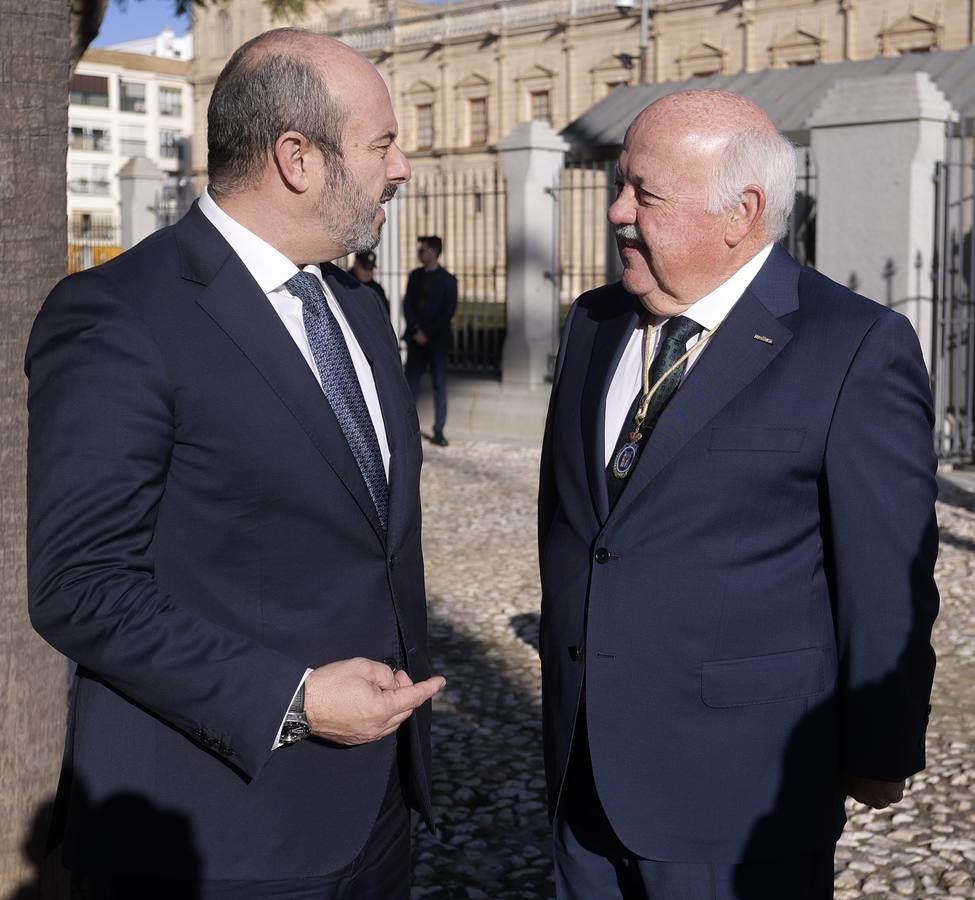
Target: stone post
[[139, 183], [875, 142], [532, 156]]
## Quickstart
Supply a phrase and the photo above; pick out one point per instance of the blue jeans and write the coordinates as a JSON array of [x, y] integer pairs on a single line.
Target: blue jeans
[[417, 360]]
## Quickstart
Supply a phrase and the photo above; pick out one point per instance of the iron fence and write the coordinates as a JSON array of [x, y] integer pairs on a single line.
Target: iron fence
[[585, 247], [953, 341], [801, 238], [467, 210]]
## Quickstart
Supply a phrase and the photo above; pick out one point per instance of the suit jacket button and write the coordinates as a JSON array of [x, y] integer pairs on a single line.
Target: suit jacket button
[[602, 555]]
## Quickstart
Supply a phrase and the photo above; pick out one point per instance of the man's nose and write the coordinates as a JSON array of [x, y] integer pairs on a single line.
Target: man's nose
[[622, 211], [398, 169]]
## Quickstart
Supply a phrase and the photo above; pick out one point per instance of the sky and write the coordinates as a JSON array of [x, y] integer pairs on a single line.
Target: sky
[[143, 18], [138, 19]]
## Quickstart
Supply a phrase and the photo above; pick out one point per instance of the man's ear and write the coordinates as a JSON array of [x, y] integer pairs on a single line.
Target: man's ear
[[745, 216], [292, 157]]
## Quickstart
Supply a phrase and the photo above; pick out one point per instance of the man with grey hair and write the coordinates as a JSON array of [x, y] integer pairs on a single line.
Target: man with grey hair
[[736, 536], [224, 516]]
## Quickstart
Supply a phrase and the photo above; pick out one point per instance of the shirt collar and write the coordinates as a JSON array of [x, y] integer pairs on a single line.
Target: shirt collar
[[269, 267], [711, 309]]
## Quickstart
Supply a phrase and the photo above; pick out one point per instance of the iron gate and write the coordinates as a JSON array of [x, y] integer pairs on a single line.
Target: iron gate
[[953, 350], [584, 247], [467, 210]]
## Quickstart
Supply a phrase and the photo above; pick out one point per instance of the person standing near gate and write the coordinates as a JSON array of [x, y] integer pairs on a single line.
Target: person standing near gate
[[429, 306], [364, 269], [224, 516], [737, 537]]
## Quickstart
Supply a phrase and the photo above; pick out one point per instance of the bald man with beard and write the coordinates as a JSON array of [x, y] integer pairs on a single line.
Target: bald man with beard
[[736, 535], [224, 517]]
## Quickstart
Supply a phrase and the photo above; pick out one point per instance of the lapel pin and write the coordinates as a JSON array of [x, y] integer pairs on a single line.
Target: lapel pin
[[763, 339]]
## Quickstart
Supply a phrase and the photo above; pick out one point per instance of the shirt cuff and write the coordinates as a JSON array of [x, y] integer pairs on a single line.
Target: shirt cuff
[[277, 740]]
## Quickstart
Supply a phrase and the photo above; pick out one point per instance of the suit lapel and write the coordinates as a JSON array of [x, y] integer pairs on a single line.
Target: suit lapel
[[607, 348], [236, 304], [734, 359]]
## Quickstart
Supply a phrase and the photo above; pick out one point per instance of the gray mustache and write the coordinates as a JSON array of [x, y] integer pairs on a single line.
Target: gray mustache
[[389, 193], [629, 233]]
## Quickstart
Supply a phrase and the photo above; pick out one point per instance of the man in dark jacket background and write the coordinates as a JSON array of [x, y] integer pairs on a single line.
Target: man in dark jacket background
[[429, 305]]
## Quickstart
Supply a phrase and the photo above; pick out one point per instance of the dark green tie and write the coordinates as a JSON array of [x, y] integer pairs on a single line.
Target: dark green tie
[[676, 333]]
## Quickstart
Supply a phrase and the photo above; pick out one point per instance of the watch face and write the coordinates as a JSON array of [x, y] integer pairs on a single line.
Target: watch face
[[294, 732]]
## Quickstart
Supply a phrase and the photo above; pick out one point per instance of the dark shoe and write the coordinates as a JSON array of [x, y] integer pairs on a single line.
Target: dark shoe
[[438, 439]]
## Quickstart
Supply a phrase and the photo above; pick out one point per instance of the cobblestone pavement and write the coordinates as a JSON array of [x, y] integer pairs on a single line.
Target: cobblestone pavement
[[479, 541]]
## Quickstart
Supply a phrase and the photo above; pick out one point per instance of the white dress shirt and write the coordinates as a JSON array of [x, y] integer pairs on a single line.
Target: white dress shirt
[[271, 270], [708, 312]]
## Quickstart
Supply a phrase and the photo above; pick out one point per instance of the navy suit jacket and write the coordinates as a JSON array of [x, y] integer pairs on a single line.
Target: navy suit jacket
[[434, 311], [199, 533], [753, 618]]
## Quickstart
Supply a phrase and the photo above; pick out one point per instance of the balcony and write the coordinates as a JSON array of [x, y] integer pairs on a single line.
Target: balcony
[[88, 186]]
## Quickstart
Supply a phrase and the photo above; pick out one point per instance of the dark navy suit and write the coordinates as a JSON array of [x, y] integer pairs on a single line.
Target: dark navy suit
[[199, 534], [429, 305], [752, 619]]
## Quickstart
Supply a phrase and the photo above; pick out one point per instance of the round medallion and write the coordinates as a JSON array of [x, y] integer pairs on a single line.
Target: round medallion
[[625, 459]]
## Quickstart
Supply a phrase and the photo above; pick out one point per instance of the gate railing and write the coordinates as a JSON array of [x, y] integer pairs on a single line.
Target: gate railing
[[467, 210], [953, 341], [585, 248]]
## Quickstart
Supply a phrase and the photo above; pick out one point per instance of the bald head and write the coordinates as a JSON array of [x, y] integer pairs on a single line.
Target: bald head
[[737, 143], [282, 80]]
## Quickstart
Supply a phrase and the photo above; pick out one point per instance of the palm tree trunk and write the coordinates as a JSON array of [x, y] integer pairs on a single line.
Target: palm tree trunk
[[34, 68]]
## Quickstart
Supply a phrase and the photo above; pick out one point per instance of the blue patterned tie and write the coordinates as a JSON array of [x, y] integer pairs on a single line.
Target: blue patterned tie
[[341, 385]]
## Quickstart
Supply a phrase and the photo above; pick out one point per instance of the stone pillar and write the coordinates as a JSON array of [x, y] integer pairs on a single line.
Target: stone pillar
[[875, 142], [532, 156], [140, 181]]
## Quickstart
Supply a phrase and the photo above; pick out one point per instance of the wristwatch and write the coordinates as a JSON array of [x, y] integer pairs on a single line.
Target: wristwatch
[[295, 726]]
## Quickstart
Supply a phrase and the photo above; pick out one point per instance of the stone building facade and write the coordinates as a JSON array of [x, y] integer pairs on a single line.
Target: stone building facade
[[464, 73]]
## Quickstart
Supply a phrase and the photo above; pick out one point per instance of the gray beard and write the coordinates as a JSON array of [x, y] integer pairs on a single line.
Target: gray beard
[[346, 212]]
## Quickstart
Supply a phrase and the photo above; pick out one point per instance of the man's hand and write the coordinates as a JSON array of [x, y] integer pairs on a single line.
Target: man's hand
[[355, 701], [420, 337], [878, 794]]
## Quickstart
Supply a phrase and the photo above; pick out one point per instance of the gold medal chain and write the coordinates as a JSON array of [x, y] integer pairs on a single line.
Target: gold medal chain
[[649, 391]]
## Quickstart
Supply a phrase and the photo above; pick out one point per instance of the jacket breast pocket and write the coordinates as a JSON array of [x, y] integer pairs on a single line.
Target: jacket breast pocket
[[740, 437], [772, 678]]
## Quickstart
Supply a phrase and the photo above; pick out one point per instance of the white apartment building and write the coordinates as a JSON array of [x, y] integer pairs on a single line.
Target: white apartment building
[[124, 104]]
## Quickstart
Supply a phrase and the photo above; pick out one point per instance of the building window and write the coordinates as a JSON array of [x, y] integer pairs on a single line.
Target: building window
[[169, 143], [225, 34], [88, 90], [132, 140], [132, 97], [424, 126], [477, 110], [541, 106], [89, 137], [88, 178], [170, 101]]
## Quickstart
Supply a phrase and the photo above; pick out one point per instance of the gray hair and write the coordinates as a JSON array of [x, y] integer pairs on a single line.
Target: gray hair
[[764, 158], [266, 88]]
